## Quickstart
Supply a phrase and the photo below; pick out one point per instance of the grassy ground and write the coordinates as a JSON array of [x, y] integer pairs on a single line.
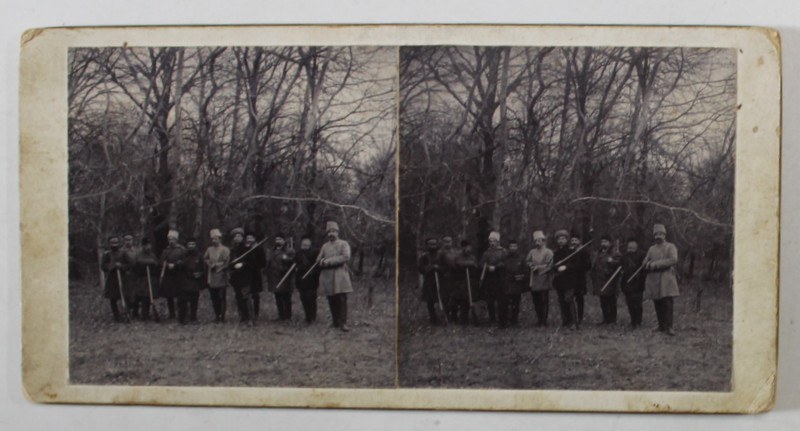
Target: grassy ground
[[290, 354], [597, 357]]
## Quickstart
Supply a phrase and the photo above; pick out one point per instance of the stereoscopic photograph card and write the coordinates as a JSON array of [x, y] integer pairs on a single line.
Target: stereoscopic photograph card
[[535, 218]]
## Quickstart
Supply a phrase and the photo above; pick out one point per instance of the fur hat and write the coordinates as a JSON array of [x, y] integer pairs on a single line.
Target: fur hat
[[494, 235], [172, 234], [331, 225], [215, 233], [659, 228], [538, 235], [562, 232], [238, 230]]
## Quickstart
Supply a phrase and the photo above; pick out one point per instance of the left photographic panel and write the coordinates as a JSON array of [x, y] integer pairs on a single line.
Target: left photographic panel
[[231, 216]]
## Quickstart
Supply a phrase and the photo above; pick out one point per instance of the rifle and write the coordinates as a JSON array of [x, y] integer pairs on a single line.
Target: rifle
[[309, 270], [609, 280], [557, 264], [439, 296], [163, 268], [122, 297], [483, 274], [255, 246], [469, 289], [150, 292], [637, 271], [285, 276]]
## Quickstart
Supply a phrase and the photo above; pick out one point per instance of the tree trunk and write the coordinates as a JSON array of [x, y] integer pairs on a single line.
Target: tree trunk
[[502, 141], [101, 240], [177, 148]]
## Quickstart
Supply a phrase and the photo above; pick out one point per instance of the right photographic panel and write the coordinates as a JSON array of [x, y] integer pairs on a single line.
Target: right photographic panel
[[566, 217]]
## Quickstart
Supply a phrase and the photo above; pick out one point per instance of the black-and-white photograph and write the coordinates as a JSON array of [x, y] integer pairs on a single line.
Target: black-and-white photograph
[[566, 217], [231, 216]]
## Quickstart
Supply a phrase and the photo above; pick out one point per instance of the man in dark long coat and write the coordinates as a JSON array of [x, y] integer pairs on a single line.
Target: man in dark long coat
[[605, 266], [145, 263], [172, 271], [241, 269], [516, 278], [492, 267], [633, 288], [428, 266], [280, 261], [583, 264], [194, 281], [116, 263], [307, 287], [569, 278], [465, 282], [258, 281], [446, 259]]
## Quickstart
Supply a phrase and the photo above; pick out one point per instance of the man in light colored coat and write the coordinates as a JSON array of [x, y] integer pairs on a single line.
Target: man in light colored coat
[[334, 276], [539, 260], [217, 257], [661, 284]]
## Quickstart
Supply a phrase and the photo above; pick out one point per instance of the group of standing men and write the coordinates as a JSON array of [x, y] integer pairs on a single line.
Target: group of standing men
[[135, 277], [454, 279]]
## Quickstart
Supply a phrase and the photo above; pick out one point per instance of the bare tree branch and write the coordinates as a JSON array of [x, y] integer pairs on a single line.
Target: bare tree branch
[[368, 213], [698, 216]]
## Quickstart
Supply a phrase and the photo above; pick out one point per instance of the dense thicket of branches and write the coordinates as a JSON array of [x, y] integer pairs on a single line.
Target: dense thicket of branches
[[597, 140], [266, 138]]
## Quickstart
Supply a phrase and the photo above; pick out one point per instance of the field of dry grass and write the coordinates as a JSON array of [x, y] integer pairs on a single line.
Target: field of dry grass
[[204, 353], [597, 357]]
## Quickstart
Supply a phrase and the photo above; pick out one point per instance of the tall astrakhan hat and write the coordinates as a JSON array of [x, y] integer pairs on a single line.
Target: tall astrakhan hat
[[331, 225], [494, 235], [538, 235], [659, 228]]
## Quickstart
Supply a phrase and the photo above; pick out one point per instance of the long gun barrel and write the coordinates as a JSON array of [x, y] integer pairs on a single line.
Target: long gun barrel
[[163, 268], [258, 244], [609, 280], [309, 270], [483, 274], [637, 272], [285, 276], [469, 289], [557, 264], [439, 296]]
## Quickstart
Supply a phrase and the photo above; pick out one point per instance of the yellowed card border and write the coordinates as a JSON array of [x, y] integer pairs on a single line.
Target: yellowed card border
[[43, 191]]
